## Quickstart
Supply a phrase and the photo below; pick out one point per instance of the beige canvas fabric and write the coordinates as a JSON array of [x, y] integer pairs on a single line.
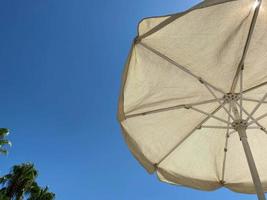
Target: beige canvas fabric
[[167, 65]]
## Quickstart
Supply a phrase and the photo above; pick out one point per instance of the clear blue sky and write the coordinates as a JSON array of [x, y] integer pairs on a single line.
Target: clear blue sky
[[61, 63]]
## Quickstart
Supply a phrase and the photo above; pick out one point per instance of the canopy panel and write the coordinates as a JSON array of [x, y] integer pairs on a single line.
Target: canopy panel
[[154, 83], [157, 133], [197, 162], [208, 41]]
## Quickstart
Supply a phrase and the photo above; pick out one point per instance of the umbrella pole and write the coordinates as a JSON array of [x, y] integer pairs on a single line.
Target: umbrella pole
[[251, 163], [241, 126]]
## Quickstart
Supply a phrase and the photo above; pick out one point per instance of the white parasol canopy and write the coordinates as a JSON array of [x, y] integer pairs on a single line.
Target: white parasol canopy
[[193, 104]]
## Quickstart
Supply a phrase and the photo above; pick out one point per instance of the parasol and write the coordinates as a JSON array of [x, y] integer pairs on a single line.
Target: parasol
[[193, 103]]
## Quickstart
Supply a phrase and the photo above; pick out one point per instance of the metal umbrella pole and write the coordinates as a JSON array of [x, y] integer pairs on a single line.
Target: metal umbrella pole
[[240, 126]]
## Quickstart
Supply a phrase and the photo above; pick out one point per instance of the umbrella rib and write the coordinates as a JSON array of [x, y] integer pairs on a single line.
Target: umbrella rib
[[256, 107], [216, 127], [225, 127], [224, 158], [188, 135], [226, 147], [241, 63], [232, 132], [254, 127], [173, 17], [255, 87], [214, 95], [169, 108], [253, 119], [201, 80], [241, 92], [258, 119], [208, 114], [253, 100]]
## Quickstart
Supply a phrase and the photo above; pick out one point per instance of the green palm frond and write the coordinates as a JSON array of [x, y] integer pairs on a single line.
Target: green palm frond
[[3, 151], [3, 132], [3, 196], [3, 141], [21, 184], [19, 180], [38, 193]]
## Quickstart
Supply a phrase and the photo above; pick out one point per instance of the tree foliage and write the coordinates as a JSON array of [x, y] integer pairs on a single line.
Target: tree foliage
[[38, 193], [21, 184], [3, 141]]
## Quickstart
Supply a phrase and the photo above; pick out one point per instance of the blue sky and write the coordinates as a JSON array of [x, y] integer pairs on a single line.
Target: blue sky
[[61, 63]]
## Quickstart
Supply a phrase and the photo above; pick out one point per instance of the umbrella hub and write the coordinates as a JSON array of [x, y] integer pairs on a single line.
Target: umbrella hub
[[229, 97], [240, 124]]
